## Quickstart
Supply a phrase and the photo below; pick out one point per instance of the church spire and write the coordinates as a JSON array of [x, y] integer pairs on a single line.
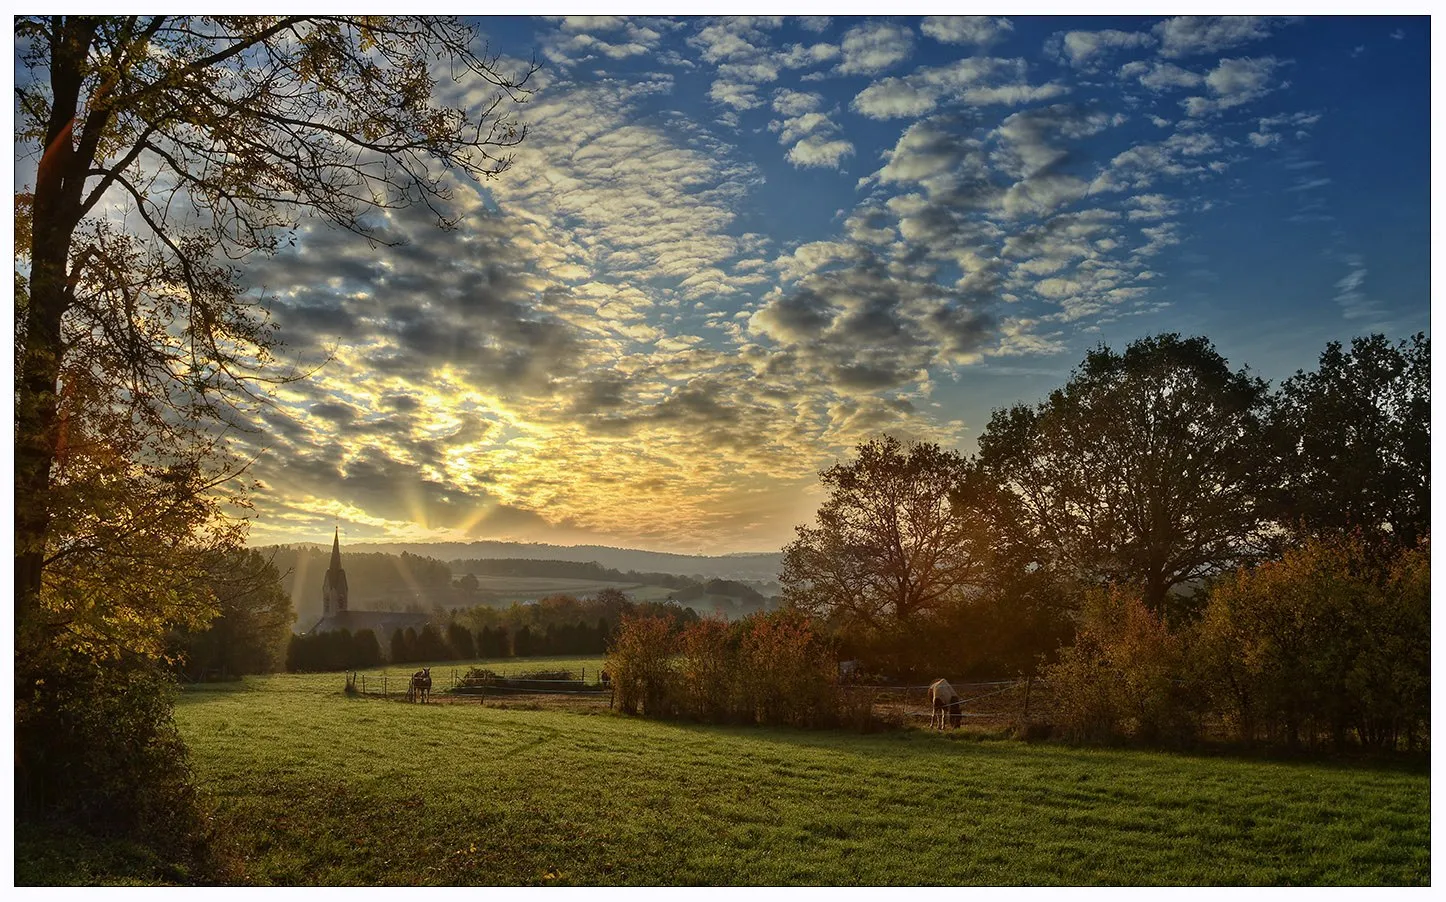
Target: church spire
[[333, 586]]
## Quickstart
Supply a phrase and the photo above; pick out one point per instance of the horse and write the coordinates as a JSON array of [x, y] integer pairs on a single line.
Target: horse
[[945, 703], [421, 687]]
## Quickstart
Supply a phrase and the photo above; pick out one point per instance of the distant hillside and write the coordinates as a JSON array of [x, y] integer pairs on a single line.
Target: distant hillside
[[764, 566]]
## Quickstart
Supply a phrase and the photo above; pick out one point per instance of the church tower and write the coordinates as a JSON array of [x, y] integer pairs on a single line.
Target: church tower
[[333, 587]]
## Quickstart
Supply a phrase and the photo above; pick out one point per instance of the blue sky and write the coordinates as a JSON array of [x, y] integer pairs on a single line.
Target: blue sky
[[730, 249]]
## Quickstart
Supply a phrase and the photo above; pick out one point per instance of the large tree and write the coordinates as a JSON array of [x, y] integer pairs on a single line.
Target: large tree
[[889, 544], [168, 147], [1354, 437], [168, 151], [1143, 469]]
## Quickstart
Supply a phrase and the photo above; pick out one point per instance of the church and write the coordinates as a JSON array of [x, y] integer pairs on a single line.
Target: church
[[336, 615]]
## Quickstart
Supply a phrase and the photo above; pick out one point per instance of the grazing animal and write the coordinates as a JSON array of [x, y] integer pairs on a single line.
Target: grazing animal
[[945, 701], [421, 688]]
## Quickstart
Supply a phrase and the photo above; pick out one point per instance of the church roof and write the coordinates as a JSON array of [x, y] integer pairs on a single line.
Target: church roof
[[383, 623]]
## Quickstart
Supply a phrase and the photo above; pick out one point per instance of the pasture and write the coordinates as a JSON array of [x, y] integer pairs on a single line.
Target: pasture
[[312, 787]]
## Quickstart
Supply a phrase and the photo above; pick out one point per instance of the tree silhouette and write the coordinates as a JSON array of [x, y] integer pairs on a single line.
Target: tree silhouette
[[1354, 439], [888, 544], [1145, 468]]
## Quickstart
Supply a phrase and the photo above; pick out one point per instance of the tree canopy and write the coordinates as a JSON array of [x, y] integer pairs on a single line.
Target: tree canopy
[[888, 544], [167, 151], [1354, 438], [1145, 468], [168, 148]]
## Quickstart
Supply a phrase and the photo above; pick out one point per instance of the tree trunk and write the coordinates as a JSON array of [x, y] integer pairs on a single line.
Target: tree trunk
[[55, 211]]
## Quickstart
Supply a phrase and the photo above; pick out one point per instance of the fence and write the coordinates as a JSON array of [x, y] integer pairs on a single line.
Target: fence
[[981, 700], [557, 682], [985, 699]]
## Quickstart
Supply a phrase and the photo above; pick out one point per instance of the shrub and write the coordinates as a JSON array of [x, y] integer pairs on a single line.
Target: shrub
[[1320, 643], [787, 670], [708, 668], [639, 662], [1122, 676], [96, 747]]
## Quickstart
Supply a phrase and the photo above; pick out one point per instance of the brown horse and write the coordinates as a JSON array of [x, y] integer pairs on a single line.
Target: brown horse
[[421, 687]]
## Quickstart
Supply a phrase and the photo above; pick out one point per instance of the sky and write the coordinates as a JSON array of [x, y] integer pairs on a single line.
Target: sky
[[730, 250]]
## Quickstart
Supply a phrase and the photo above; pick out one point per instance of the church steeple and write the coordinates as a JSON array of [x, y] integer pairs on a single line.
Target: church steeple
[[333, 587]]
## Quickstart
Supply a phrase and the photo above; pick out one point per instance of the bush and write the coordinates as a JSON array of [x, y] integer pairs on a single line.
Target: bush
[[787, 671], [1123, 675], [1324, 642], [707, 669], [96, 747], [640, 664], [769, 668]]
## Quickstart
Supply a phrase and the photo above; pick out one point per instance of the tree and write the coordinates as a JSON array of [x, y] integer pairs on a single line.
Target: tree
[[217, 133], [1144, 469], [1355, 440], [888, 545], [366, 650], [460, 640], [249, 634], [135, 348]]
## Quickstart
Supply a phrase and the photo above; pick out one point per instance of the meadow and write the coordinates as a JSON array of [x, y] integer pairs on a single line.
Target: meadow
[[313, 787]]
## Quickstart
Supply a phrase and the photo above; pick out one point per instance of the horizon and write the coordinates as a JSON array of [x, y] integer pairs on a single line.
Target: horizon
[[365, 543], [731, 249]]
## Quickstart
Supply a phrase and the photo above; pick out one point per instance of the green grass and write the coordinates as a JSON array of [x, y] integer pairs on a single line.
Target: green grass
[[312, 787]]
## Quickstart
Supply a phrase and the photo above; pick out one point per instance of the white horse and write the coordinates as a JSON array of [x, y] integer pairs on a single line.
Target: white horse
[[945, 703]]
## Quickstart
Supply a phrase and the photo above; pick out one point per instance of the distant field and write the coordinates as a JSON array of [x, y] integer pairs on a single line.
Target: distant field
[[442, 671], [532, 587], [313, 787]]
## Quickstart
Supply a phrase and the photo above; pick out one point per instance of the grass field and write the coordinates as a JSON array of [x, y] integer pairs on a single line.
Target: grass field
[[313, 787]]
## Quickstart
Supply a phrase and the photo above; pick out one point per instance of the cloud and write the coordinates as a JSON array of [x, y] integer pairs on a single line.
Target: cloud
[[1082, 49], [795, 103], [816, 150], [978, 30], [973, 81], [738, 96], [1192, 35], [575, 43], [875, 46], [1351, 295], [1160, 77], [1271, 129], [809, 131], [1232, 83]]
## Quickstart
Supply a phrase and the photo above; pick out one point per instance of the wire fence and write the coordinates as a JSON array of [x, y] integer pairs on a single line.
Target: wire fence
[[455, 684], [979, 700]]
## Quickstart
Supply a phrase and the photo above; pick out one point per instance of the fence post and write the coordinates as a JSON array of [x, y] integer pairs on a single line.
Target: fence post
[[384, 685], [1029, 682]]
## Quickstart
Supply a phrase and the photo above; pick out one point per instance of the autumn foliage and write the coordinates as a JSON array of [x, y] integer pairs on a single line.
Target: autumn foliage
[[774, 668]]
